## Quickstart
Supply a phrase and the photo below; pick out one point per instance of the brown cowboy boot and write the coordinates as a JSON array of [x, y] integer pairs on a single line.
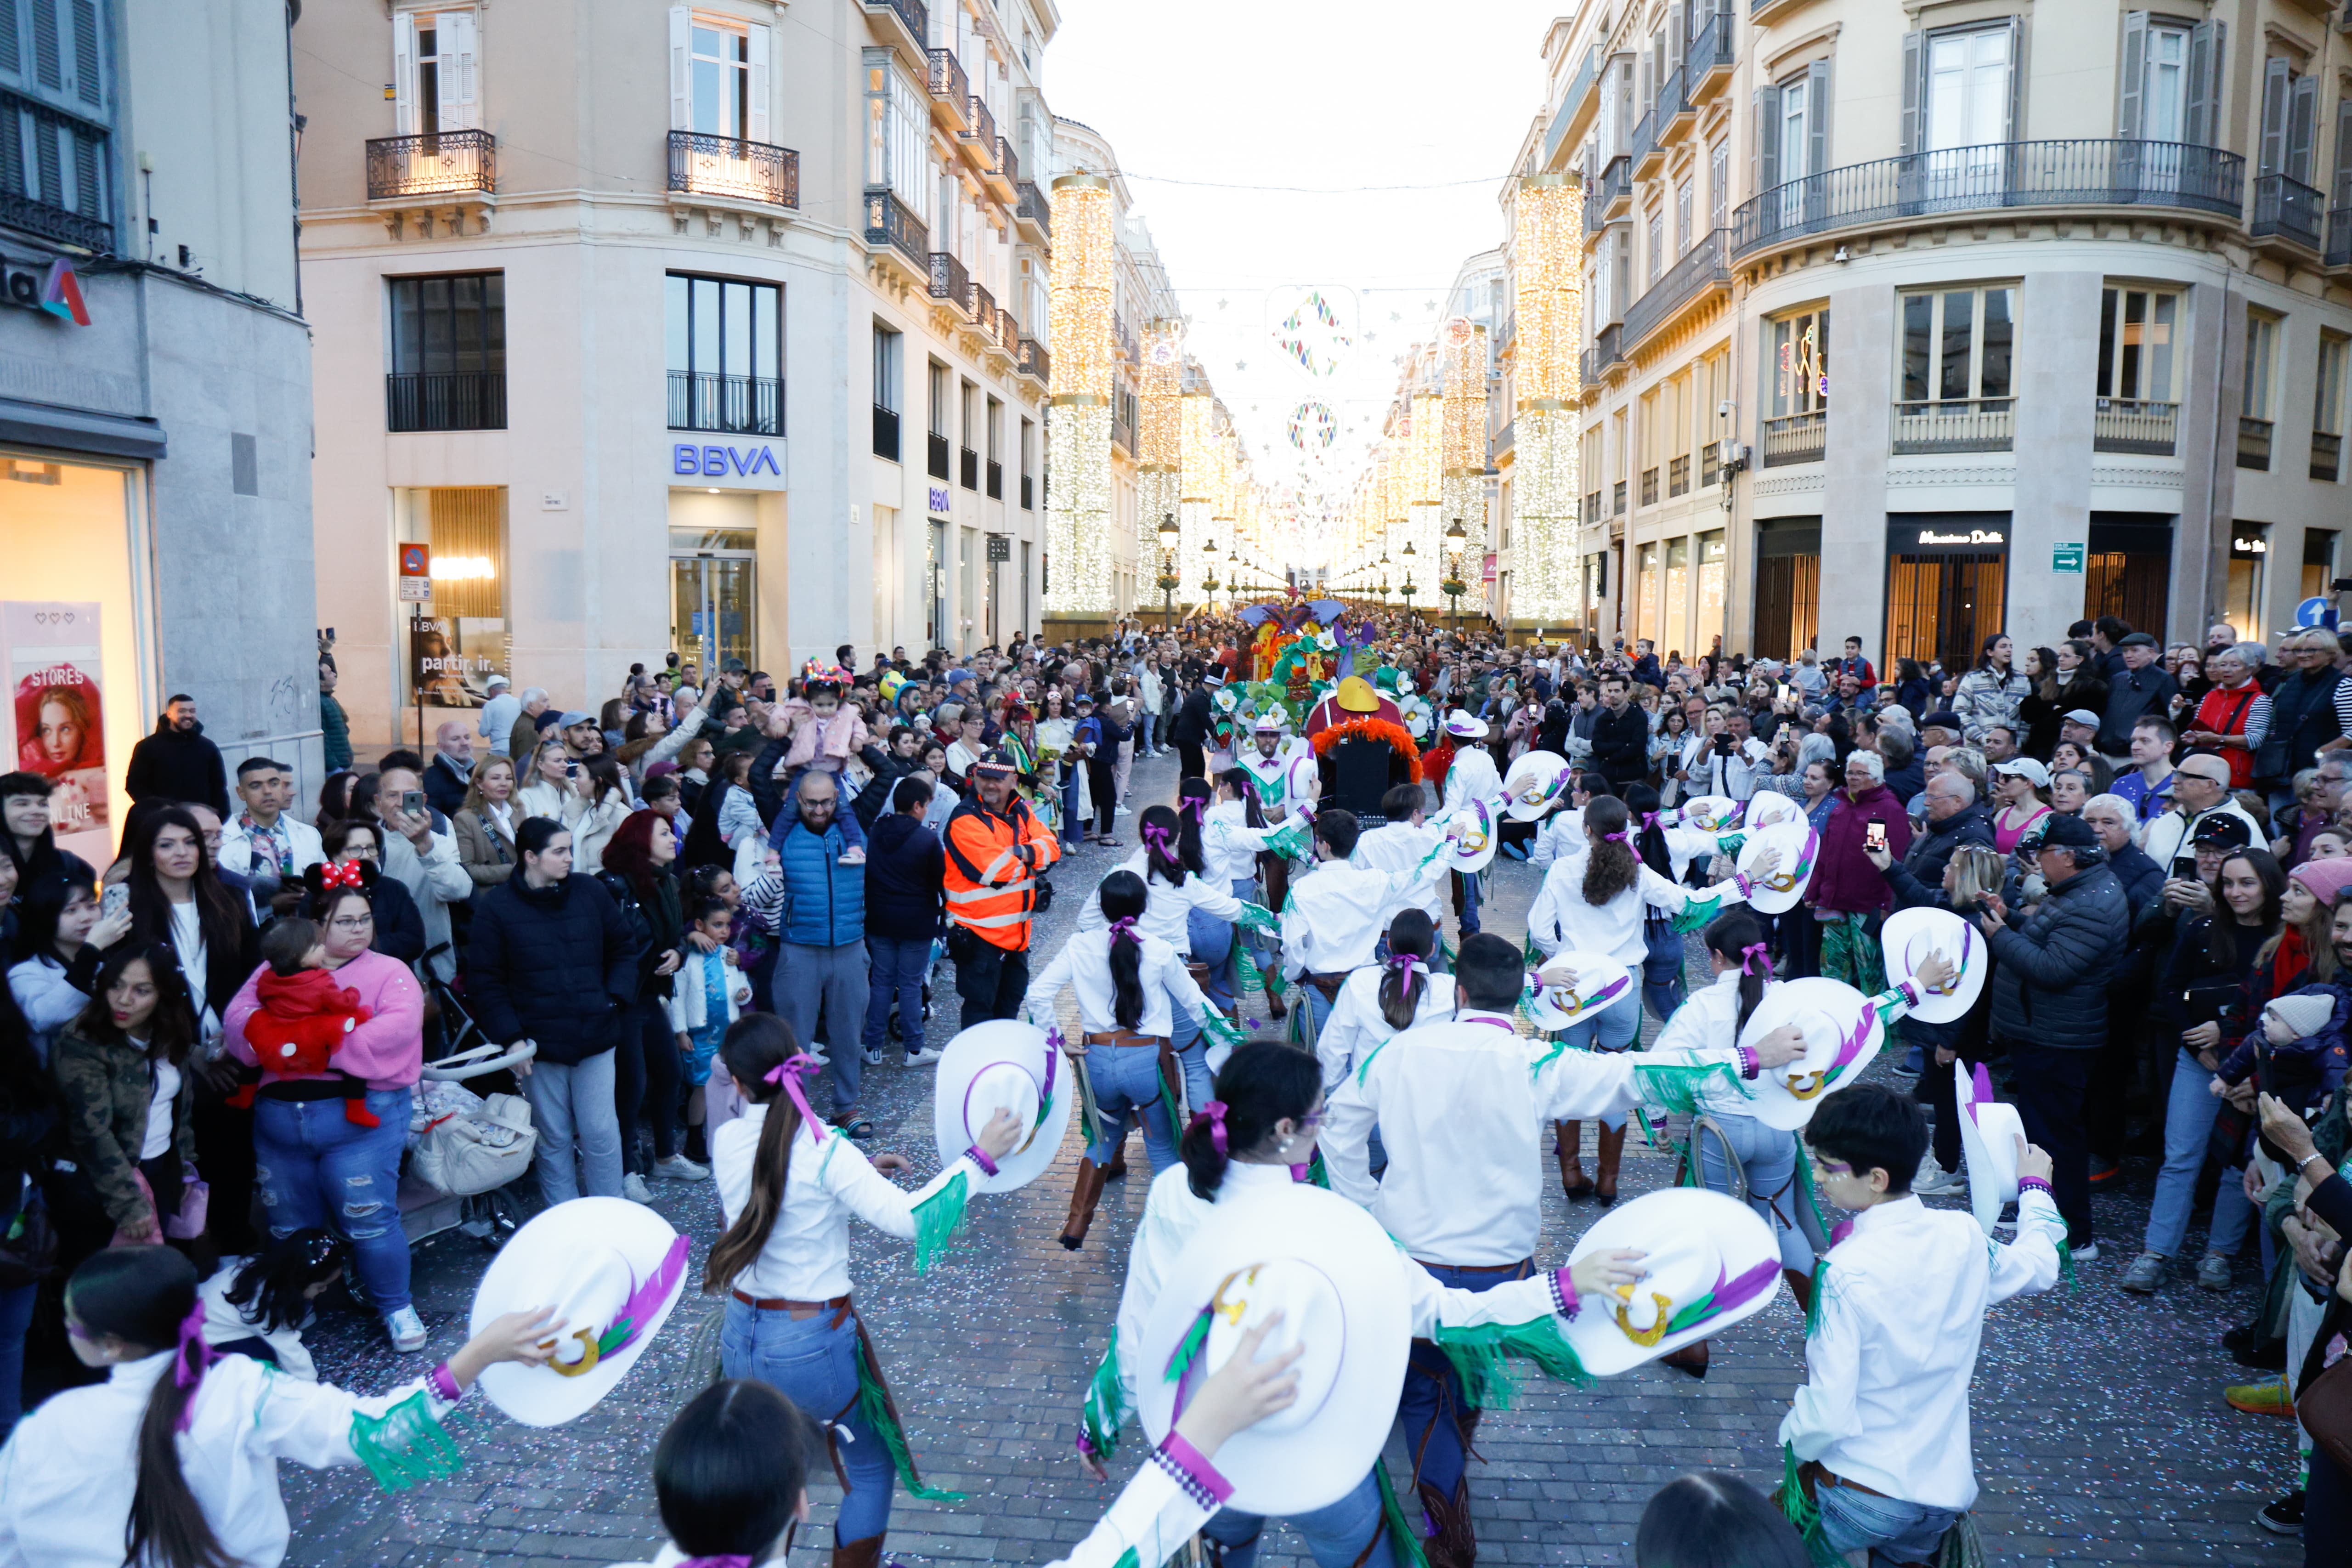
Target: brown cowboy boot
[[1800, 1286], [1454, 1545], [865, 1553], [1118, 1166], [1612, 1148], [1274, 1005], [1085, 1193], [1691, 1358], [1567, 1144]]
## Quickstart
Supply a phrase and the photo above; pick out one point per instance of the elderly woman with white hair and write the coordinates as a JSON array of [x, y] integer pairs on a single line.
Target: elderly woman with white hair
[[1847, 894]]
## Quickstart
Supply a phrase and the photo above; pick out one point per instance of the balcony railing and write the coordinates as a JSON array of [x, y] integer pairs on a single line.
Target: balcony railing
[[2253, 443], [1036, 208], [911, 15], [2083, 171], [729, 166], [886, 432], [1616, 182], [939, 456], [951, 88], [983, 310], [1678, 476], [1609, 346], [2339, 237], [969, 475], [444, 163], [63, 192], [2326, 456], [2286, 209], [732, 405], [892, 222], [1702, 270], [951, 281], [471, 400], [1650, 485], [995, 475], [980, 123], [1716, 48], [1955, 425], [1674, 101], [1798, 438], [1645, 134], [1008, 333], [2133, 425], [1006, 170], [1584, 369], [1028, 494], [1036, 362]]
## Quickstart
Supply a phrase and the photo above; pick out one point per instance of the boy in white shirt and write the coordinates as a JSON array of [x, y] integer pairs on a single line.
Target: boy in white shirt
[[1878, 1440]]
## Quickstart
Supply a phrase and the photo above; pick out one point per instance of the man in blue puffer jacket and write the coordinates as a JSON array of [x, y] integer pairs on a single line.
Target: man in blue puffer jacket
[[821, 964]]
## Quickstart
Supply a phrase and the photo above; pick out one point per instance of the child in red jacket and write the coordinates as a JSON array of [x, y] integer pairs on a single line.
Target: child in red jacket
[[304, 1015]]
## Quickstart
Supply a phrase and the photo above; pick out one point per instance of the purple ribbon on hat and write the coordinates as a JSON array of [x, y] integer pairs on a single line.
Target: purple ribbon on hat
[[192, 1357], [1213, 1113], [789, 1075], [1756, 958]]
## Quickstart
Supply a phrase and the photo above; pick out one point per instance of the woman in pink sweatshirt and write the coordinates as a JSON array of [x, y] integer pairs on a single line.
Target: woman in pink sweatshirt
[[315, 1167]]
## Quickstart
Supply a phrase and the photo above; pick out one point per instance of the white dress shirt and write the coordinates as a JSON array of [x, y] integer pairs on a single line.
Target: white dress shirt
[[1166, 906], [1401, 847], [1471, 776], [69, 1472], [2168, 835], [225, 1323], [1338, 911], [1560, 919], [1229, 845], [1357, 1026], [1886, 1397], [830, 1181], [1461, 1105], [1562, 837], [1084, 965]]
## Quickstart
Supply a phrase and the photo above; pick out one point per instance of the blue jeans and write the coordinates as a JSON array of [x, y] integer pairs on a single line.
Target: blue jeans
[[1894, 1531], [1768, 1159], [1126, 1089], [1663, 985], [2188, 1117], [896, 966], [1213, 944], [314, 1168], [1615, 1030], [1466, 892], [1336, 1534], [815, 1365], [1073, 791], [574, 1105], [832, 982], [15, 1317], [1431, 1407]]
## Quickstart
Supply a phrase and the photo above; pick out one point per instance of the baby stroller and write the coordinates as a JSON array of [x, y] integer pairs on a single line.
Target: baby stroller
[[464, 1150]]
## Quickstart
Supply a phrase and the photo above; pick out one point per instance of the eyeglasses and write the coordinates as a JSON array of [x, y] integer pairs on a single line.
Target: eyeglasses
[[351, 922]]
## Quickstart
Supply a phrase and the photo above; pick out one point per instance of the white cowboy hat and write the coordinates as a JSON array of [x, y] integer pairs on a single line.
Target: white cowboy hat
[[1842, 1031], [1601, 983], [1534, 784], [1799, 846], [1908, 938], [1770, 808], [613, 1270], [1467, 724], [1482, 834], [1269, 723], [1988, 1134], [1339, 1283], [1012, 1065], [1711, 813], [1709, 1261]]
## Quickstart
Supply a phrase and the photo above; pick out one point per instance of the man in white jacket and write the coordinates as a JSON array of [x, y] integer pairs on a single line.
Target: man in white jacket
[[263, 842]]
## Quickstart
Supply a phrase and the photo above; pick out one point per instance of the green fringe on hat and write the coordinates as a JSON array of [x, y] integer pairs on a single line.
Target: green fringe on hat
[[873, 1404], [1404, 1541], [405, 1446], [1104, 1410], [937, 1219], [1678, 1089], [1480, 1356], [1698, 912], [1802, 1514], [1962, 1546]]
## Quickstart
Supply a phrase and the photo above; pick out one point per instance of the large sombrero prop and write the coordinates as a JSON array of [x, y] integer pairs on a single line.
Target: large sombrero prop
[[1009, 1065], [1770, 808], [1555, 1002], [1536, 783], [613, 1270], [1842, 1031], [1482, 836], [1798, 847], [1709, 812], [1908, 938], [1988, 1134], [1339, 1284], [1709, 1261]]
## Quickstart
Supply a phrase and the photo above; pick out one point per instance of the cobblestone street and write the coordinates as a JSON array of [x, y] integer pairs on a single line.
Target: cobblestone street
[[2100, 1434]]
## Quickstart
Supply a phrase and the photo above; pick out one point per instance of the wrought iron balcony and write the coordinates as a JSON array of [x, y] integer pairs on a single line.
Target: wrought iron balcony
[[950, 90], [951, 281], [1035, 208], [729, 166], [970, 470], [1712, 54], [1566, 114], [469, 400], [913, 23], [939, 456], [1645, 136], [983, 310], [892, 222], [1008, 332], [1609, 347], [2326, 456], [2286, 209], [1028, 494], [443, 163], [63, 194], [1036, 364], [979, 126], [1955, 425], [886, 432], [2253, 443], [2083, 171], [2135, 425], [1004, 174], [995, 473], [1674, 101], [1798, 439], [2339, 237], [732, 405], [1698, 274]]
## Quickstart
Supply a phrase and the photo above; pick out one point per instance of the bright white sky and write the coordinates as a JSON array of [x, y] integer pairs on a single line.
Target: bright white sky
[[1284, 93]]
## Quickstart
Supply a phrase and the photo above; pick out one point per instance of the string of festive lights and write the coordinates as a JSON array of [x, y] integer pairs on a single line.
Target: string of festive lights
[[1546, 576], [1078, 417]]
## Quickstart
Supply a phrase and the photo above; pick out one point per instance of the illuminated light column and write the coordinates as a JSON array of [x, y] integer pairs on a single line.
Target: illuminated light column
[[1463, 444], [1160, 443], [1077, 418], [1547, 565], [1428, 467], [1197, 488]]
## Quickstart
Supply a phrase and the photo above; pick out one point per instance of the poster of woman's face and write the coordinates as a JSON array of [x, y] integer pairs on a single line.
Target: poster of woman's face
[[61, 735]]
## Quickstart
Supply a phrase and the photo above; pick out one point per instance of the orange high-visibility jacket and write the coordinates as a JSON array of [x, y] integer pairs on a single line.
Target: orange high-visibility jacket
[[992, 861]]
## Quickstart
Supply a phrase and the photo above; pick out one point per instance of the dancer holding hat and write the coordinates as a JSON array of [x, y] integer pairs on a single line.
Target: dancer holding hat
[[1335, 915], [1235, 841], [789, 1186], [1401, 992], [1470, 778], [172, 1461]]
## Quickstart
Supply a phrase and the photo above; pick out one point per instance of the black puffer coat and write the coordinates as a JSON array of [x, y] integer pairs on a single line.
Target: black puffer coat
[[553, 964], [2050, 971]]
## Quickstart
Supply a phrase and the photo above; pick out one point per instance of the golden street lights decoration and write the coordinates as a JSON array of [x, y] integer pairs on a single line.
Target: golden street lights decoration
[[1457, 538]]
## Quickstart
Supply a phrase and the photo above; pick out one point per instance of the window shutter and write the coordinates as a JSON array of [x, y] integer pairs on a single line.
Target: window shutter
[[2201, 124], [2013, 128], [1816, 117], [758, 42], [85, 82], [1675, 42], [2302, 122], [454, 36], [2276, 85], [1764, 162], [2343, 153], [2127, 101], [681, 68], [1915, 93], [404, 74]]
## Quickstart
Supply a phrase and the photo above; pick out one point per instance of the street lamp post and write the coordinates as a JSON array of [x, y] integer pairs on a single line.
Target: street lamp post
[[1169, 534], [1456, 539], [1209, 576]]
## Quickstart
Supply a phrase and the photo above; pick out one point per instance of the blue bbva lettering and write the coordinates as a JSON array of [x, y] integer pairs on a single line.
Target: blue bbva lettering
[[718, 462], [684, 459]]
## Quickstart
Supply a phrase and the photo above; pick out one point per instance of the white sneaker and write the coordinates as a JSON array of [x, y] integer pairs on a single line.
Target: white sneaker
[[678, 1168], [406, 1329], [817, 1055], [1935, 1181], [1125, 811], [634, 1188], [2086, 1253], [924, 1058]]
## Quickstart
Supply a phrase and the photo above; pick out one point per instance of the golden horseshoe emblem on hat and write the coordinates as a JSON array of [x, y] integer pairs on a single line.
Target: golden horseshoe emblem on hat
[[1800, 1090], [1656, 1331], [587, 1337]]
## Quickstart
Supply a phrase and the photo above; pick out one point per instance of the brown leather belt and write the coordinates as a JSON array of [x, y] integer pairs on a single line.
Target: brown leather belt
[[1124, 1037], [798, 1311], [1198, 971], [1812, 1474], [1521, 1270], [1328, 984]]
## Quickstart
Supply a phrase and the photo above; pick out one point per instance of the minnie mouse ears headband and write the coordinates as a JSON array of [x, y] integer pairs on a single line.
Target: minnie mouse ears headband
[[349, 876]]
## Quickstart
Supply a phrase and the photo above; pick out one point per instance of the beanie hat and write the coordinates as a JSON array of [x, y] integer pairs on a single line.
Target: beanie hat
[[2304, 1012], [2324, 879]]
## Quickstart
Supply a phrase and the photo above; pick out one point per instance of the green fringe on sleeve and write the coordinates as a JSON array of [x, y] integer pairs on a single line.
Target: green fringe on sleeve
[[1812, 1197], [1258, 918], [1698, 912], [1365, 1066], [1248, 978], [1219, 1027], [1890, 1004], [1104, 1410], [405, 1446], [1317, 1174], [875, 1405], [1801, 1513], [1404, 1541], [1480, 1356], [937, 1219], [2066, 1267], [1820, 1296], [1678, 1089], [1530, 952], [1290, 840], [1168, 1097], [1730, 843], [1128, 1559]]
